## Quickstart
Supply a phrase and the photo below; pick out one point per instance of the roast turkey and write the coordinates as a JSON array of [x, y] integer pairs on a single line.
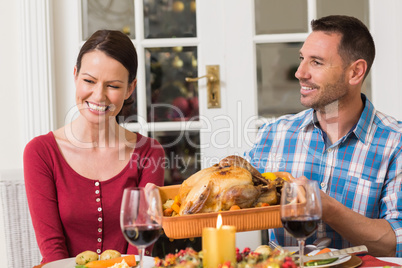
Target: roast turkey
[[233, 181]]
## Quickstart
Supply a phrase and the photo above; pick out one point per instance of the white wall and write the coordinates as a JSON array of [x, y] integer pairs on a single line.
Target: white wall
[[11, 134], [386, 24], [64, 58]]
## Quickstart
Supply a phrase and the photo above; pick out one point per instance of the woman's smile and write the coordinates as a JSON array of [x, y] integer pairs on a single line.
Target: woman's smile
[[97, 108], [102, 85]]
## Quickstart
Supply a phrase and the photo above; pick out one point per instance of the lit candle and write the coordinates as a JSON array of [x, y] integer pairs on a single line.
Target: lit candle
[[218, 244]]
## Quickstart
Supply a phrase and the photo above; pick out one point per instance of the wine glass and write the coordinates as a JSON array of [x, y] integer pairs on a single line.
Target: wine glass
[[301, 210], [141, 217]]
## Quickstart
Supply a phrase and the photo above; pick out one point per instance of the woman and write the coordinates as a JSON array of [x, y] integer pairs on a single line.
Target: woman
[[75, 176]]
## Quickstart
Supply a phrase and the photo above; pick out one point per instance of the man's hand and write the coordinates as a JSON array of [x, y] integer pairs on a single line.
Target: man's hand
[[376, 234]]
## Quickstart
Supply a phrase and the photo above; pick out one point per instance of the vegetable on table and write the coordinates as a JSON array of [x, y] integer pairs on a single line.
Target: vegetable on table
[[85, 257], [130, 260], [322, 251], [109, 254], [269, 176], [321, 262], [176, 207], [168, 212]]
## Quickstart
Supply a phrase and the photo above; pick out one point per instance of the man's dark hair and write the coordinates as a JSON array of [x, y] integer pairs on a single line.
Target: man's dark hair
[[356, 41]]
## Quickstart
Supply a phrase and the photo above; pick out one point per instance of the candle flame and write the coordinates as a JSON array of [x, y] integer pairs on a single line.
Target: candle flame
[[219, 222]]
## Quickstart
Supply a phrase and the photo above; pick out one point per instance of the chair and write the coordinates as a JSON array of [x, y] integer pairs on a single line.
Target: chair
[[21, 247]]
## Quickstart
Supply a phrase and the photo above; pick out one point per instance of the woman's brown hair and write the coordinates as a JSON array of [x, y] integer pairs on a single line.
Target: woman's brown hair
[[116, 45]]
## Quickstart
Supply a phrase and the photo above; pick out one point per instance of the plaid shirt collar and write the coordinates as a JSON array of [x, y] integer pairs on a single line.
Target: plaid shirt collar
[[363, 126]]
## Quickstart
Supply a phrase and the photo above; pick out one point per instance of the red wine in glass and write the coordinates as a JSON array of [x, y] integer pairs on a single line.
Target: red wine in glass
[[301, 227], [142, 235], [141, 217], [301, 210]]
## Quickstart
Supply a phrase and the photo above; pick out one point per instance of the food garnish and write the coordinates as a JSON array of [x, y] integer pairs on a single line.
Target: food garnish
[[129, 259], [321, 262], [262, 257], [108, 259]]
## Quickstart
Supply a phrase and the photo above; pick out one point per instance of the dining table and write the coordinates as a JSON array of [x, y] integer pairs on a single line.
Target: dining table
[[356, 261]]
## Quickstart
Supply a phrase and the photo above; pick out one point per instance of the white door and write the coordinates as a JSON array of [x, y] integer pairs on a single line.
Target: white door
[[262, 41], [174, 40], [254, 43]]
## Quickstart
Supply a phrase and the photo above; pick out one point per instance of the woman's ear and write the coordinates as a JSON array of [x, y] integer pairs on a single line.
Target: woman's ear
[[75, 72], [358, 70], [130, 88]]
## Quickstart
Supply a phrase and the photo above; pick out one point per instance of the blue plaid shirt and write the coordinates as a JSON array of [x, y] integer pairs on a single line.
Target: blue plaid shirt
[[363, 170]]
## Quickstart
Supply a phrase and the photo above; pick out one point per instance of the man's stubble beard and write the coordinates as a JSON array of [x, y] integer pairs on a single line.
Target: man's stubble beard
[[328, 102]]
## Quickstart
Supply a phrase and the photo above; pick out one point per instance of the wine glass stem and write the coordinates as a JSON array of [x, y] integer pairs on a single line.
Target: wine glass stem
[[141, 251], [301, 251]]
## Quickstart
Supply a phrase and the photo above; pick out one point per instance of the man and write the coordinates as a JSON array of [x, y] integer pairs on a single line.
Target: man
[[342, 142]]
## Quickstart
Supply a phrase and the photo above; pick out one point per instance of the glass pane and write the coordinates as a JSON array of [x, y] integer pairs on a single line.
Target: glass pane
[[285, 16], [182, 152], [107, 14], [169, 19], [366, 88], [164, 245], [170, 97], [278, 88], [355, 8]]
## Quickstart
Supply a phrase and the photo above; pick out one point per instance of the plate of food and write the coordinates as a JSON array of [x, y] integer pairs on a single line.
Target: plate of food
[[233, 188], [323, 263], [71, 262]]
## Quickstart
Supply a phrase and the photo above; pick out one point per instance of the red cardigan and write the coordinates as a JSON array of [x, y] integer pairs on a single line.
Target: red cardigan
[[71, 213]]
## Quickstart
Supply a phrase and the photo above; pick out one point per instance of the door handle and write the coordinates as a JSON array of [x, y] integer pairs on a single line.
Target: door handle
[[211, 78], [213, 85]]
